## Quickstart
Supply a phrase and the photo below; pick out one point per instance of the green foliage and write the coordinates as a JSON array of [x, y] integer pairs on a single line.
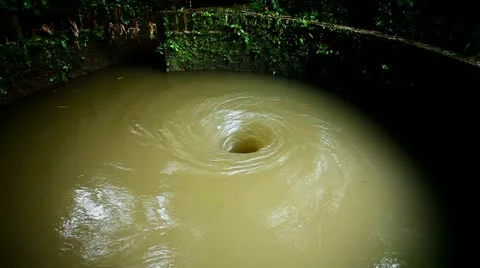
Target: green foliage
[[399, 17], [22, 5], [17, 60], [30, 55], [228, 33], [451, 27], [3, 88], [49, 58]]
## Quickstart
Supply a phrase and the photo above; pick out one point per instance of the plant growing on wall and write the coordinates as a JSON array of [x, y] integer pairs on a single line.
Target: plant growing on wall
[[228, 33]]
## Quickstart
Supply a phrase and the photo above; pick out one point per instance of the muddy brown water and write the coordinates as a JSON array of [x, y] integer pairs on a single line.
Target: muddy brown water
[[136, 168]]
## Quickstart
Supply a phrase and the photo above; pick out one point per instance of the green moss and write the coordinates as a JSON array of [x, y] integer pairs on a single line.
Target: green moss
[[222, 38]]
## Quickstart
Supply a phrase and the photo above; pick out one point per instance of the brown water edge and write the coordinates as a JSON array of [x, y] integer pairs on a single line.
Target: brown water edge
[[131, 167]]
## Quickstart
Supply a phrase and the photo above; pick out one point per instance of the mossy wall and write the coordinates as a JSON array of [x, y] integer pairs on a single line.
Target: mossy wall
[[332, 55], [42, 61]]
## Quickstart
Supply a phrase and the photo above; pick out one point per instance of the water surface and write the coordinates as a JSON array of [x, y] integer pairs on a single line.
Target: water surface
[[137, 168]]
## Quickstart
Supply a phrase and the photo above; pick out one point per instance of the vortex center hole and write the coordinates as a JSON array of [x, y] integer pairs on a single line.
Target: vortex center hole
[[245, 146]]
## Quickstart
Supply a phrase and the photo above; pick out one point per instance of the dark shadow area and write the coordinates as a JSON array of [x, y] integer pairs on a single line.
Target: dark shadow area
[[147, 53], [146, 56], [218, 3], [429, 110]]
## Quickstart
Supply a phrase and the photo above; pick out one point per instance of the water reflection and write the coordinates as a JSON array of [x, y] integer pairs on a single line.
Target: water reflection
[[389, 260], [98, 217], [156, 210], [159, 256], [109, 222]]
